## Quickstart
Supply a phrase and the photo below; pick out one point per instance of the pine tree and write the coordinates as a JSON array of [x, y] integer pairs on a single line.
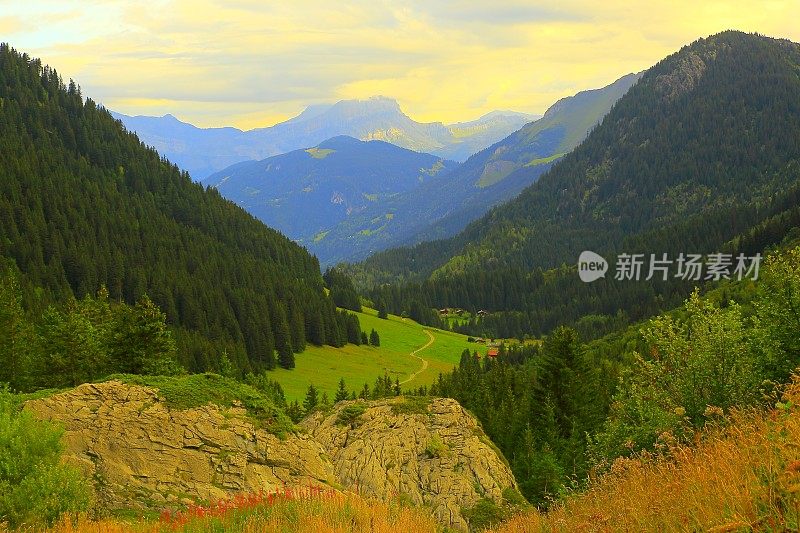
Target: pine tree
[[311, 400], [364, 338], [140, 342], [382, 312], [325, 401], [374, 338], [364, 392], [294, 411], [16, 334], [341, 392], [283, 340], [72, 348]]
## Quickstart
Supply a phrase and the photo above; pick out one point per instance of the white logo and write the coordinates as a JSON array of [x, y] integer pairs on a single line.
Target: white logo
[[591, 266]]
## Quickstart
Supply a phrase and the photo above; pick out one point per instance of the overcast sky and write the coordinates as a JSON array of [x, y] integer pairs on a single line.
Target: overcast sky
[[251, 63]]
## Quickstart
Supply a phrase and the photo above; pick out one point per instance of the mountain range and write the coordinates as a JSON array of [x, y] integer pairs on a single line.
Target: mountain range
[[443, 207], [344, 200], [204, 151], [700, 156], [304, 193]]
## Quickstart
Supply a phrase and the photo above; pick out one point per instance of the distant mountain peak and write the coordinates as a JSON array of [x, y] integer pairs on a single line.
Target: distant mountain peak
[[368, 106]]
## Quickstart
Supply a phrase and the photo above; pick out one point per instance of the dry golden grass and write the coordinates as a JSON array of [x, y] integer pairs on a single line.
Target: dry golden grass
[[327, 513], [742, 478]]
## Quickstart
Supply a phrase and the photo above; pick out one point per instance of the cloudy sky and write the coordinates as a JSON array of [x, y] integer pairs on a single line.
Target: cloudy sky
[[252, 63]]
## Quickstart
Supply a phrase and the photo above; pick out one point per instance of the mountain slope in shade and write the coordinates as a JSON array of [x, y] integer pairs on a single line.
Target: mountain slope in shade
[[699, 150], [305, 192], [203, 151], [83, 204], [442, 208]]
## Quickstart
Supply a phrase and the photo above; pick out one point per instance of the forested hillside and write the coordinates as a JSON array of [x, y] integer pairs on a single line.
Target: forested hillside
[[307, 193], [700, 156], [562, 408], [83, 204], [443, 207]]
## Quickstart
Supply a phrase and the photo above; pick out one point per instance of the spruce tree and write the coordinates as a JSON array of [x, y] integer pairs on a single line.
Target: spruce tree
[[311, 400], [283, 340], [374, 338], [341, 392]]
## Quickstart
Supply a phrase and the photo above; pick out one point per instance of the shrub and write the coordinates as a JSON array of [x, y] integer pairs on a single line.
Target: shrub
[[35, 488], [348, 415], [436, 448], [412, 405], [484, 514]]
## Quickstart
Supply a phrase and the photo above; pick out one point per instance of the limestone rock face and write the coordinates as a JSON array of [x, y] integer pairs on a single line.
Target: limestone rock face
[[436, 454], [141, 453]]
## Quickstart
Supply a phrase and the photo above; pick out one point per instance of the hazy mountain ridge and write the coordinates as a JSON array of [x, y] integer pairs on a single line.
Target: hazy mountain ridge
[[700, 156], [203, 151], [441, 208], [305, 192]]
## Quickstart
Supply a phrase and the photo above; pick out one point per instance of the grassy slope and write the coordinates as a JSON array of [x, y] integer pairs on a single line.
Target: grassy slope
[[324, 365]]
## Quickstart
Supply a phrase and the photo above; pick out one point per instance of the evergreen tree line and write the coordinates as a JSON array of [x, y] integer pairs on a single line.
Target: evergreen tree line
[[81, 341], [533, 303], [566, 408], [727, 139], [83, 204], [342, 290], [670, 169], [316, 400]]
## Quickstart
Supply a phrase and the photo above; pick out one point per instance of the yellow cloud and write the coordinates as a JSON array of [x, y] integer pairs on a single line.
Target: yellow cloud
[[251, 63]]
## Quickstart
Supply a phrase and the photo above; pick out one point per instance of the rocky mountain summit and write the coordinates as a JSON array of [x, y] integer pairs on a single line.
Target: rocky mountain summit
[[144, 454]]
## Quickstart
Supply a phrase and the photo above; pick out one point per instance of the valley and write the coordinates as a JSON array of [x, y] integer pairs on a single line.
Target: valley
[[355, 321], [357, 365]]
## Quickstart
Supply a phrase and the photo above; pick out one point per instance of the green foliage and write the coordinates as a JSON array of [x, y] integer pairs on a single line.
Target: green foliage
[[341, 392], [374, 338], [342, 290], [435, 448], [72, 348], [81, 341], [35, 488], [140, 341], [311, 400], [382, 311], [778, 313], [83, 204], [412, 405], [484, 514], [348, 415], [17, 338], [657, 175], [703, 363]]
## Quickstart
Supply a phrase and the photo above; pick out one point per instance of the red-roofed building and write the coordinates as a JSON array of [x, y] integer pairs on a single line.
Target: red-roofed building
[[493, 352]]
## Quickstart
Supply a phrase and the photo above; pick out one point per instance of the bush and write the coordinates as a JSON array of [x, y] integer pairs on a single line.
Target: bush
[[35, 488], [348, 415], [436, 448], [484, 514]]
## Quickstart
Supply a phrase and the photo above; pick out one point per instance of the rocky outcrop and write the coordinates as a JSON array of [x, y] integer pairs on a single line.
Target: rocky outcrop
[[141, 453], [145, 454], [432, 452]]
